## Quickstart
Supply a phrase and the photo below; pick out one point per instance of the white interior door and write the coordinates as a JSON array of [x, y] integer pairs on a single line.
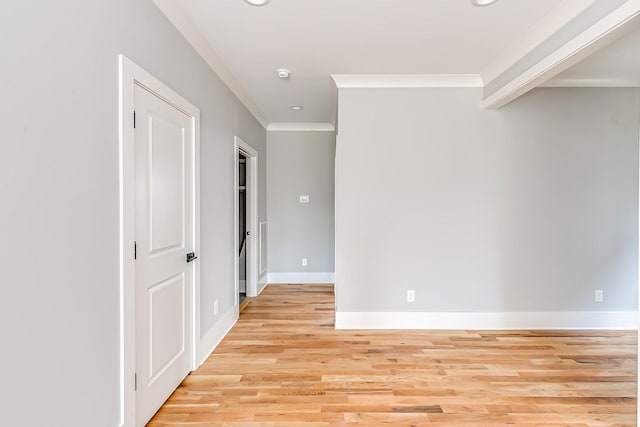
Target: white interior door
[[164, 230]]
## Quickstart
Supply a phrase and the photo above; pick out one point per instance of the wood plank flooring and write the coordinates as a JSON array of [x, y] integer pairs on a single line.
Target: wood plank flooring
[[283, 364]]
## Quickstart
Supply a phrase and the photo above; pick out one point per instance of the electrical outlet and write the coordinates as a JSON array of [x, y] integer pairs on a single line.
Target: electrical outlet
[[304, 262], [411, 296], [215, 307], [598, 295]]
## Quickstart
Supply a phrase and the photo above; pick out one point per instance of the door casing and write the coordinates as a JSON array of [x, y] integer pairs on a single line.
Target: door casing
[[130, 75]]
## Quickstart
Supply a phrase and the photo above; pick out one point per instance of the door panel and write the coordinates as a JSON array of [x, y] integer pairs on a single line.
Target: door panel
[[164, 149], [166, 326], [166, 166]]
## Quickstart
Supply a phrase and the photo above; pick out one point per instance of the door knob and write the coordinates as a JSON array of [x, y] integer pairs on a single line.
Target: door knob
[[191, 256]]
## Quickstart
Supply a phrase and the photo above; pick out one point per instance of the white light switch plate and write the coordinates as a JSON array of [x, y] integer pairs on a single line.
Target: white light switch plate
[[304, 198]]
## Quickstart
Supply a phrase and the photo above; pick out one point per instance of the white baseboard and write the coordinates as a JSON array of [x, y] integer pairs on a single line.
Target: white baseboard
[[218, 331], [301, 277], [488, 320], [262, 282]]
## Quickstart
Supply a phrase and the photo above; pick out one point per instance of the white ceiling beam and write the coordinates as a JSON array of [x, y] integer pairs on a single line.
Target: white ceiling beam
[[516, 49], [603, 32]]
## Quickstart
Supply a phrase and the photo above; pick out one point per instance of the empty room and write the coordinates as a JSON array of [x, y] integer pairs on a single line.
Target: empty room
[[320, 212]]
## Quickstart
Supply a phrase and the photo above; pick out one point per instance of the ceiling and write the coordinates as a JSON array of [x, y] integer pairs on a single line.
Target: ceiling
[[317, 38]]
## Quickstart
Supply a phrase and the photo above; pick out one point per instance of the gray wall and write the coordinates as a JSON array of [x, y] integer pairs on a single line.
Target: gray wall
[[59, 177], [300, 163], [528, 208]]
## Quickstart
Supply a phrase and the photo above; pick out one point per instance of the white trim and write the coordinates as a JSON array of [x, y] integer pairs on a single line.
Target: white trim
[[315, 127], [488, 320], [593, 82], [262, 283], [252, 249], [252, 198], [127, 272], [236, 241], [185, 26], [638, 301], [406, 80], [301, 278], [581, 46], [262, 241], [217, 333], [560, 16], [333, 105], [131, 75], [196, 240], [337, 224]]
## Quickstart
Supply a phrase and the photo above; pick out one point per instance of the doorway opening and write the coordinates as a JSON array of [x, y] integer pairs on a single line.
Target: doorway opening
[[246, 220], [242, 227]]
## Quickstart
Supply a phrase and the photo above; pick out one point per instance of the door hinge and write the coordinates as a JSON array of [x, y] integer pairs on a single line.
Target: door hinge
[[135, 250], [135, 382], [134, 119]]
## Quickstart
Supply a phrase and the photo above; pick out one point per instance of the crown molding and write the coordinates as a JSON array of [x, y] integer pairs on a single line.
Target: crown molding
[[182, 22], [406, 80], [603, 82], [301, 127]]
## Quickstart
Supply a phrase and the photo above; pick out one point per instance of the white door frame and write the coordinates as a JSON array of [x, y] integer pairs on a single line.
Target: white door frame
[[131, 75], [252, 214]]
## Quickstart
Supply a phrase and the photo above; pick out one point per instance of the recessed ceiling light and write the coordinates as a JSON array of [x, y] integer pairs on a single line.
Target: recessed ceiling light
[[482, 2], [296, 107], [257, 2], [283, 73]]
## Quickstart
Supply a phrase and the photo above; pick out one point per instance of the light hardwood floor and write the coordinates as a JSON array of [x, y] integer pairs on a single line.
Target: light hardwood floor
[[283, 364]]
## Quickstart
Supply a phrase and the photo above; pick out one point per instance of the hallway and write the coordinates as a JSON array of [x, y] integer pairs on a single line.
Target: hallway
[[283, 364]]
